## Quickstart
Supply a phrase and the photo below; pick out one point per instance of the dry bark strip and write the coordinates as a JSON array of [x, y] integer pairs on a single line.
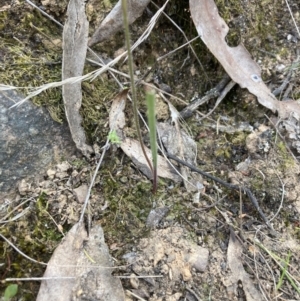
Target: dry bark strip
[[75, 38], [114, 20], [236, 61]]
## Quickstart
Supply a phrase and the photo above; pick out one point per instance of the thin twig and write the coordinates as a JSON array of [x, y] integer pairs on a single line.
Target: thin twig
[[290, 11], [44, 13], [149, 28], [176, 49], [194, 293], [3, 221], [259, 282], [89, 49], [286, 81], [184, 35], [135, 295], [228, 185], [106, 146], [270, 269], [212, 205], [39, 278], [222, 95], [215, 92], [20, 252], [140, 276], [282, 198]]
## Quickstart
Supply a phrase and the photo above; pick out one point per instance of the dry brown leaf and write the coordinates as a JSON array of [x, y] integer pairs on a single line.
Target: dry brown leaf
[[131, 147], [181, 145], [87, 259], [238, 275], [116, 113], [75, 37], [62, 264], [114, 20], [236, 61]]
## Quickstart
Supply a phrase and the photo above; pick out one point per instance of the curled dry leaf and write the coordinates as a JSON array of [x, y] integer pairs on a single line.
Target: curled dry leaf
[[236, 61], [114, 20], [75, 37], [181, 145], [177, 142], [131, 147], [238, 277]]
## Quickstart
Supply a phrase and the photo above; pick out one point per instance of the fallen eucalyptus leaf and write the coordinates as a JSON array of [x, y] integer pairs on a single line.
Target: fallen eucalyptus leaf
[[132, 148], [236, 61], [86, 261], [238, 277]]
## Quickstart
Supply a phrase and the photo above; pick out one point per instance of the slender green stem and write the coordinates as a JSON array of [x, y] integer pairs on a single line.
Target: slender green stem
[[150, 99], [133, 90]]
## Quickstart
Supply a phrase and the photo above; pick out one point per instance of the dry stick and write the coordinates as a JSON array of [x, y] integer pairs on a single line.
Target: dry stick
[[212, 205], [43, 13], [288, 90], [228, 185], [286, 81], [224, 92], [215, 92], [3, 221], [140, 276], [136, 296], [262, 290]]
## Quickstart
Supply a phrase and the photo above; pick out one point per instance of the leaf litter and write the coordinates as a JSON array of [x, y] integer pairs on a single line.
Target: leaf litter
[[158, 254], [84, 258]]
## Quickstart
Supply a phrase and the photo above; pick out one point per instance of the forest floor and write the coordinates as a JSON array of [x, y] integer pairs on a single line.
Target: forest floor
[[209, 244]]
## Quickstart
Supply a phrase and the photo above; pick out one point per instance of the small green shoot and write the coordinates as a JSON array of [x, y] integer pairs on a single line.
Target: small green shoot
[[285, 272], [150, 100], [286, 263], [113, 137], [10, 292]]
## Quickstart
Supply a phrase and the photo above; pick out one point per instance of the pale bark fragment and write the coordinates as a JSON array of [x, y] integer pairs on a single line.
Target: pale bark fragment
[[75, 37]]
